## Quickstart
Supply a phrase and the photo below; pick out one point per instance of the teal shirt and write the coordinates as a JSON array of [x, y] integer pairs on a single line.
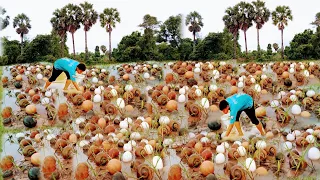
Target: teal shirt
[[238, 102], [69, 65]]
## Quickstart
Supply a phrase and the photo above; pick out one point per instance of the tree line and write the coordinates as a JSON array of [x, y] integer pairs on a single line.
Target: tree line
[[159, 40]]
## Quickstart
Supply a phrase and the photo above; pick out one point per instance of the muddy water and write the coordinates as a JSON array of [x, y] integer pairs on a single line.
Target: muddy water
[[12, 148], [181, 116]]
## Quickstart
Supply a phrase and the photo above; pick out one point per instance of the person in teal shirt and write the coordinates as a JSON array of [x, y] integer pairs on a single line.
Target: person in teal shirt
[[238, 103], [69, 67]]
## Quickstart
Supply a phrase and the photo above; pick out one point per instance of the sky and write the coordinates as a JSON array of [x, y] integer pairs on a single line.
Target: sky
[[132, 12]]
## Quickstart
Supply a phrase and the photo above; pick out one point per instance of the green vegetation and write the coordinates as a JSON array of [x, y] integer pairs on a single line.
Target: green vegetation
[[261, 15], [280, 18], [42, 48], [194, 23], [108, 19], [4, 22], [160, 40], [22, 23], [89, 18]]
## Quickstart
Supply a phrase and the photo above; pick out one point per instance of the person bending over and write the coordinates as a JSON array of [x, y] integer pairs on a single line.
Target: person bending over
[[238, 103], [69, 67]]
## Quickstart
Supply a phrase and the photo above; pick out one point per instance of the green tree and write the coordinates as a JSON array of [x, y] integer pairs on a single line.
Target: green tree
[[316, 22], [4, 21], [128, 48], [275, 47], [301, 46], [43, 48], [59, 26], [194, 23], [149, 23], [89, 18], [185, 48], [108, 19], [103, 49], [167, 52], [11, 49], [316, 44], [269, 50], [147, 42], [261, 16], [22, 23], [73, 19], [214, 46], [97, 51], [280, 18], [231, 22], [170, 31], [245, 17]]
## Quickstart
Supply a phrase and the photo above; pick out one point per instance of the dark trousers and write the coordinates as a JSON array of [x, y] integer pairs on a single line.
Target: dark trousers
[[251, 113], [56, 73]]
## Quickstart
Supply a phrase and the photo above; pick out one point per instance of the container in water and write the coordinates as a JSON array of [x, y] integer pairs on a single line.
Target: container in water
[[79, 78], [225, 121]]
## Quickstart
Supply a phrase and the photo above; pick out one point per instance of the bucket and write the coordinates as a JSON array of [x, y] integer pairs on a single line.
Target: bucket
[[225, 121], [79, 78]]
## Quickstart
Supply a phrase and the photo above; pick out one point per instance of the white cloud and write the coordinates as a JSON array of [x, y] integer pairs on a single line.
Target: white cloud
[[132, 11]]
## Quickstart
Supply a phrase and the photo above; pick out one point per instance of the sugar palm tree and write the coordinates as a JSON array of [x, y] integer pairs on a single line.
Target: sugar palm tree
[[103, 49], [280, 18], [59, 25], [261, 16], [232, 24], [245, 18], [89, 18], [194, 21], [4, 22], [22, 23], [73, 19], [275, 47], [108, 19]]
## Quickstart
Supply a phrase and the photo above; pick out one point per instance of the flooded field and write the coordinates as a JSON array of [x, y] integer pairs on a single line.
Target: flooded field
[[151, 121]]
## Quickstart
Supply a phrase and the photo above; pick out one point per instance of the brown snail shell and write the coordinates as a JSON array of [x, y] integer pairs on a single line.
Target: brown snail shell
[[113, 153], [67, 152], [93, 150], [61, 143], [194, 161], [28, 151], [101, 159], [25, 142], [140, 152]]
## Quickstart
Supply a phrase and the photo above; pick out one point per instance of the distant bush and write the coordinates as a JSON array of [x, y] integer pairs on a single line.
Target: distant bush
[[220, 56], [47, 58], [3, 60]]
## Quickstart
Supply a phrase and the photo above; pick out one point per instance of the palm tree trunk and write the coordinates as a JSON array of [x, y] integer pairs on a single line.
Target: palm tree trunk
[[245, 41], [282, 50], [61, 49], [21, 43], [258, 39], [85, 40], [194, 41], [74, 51], [62, 45], [235, 46], [109, 45]]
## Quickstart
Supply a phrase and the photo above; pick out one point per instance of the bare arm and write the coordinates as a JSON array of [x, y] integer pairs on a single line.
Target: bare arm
[[76, 85]]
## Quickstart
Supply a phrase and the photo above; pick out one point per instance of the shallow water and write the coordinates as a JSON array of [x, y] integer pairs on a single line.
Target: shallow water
[[181, 116]]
